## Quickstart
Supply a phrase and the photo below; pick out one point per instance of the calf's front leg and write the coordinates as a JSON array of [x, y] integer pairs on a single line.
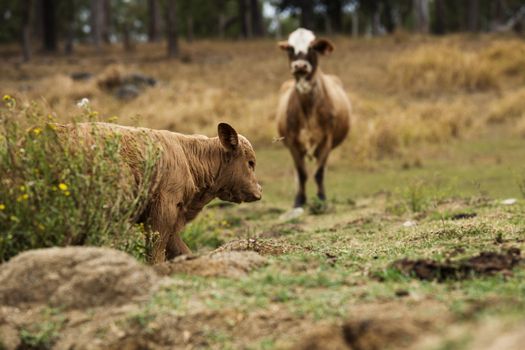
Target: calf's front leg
[[168, 221]]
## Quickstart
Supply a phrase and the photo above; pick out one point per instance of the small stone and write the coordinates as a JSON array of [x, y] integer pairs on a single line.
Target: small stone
[[409, 223], [509, 201], [292, 214], [402, 293]]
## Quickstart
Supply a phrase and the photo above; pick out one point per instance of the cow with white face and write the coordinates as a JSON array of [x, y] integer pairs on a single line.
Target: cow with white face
[[313, 114]]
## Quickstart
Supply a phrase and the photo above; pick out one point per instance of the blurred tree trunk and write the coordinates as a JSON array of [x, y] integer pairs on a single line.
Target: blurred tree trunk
[[307, 14], [245, 18], [189, 27], [473, 15], [171, 24], [26, 14], [355, 24], [389, 17], [106, 21], [49, 25], [221, 18], [154, 21], [421, 14], [97, 22], [37, 26], [334, 10], [256, 18], [497, 14], [70, 26], [440, 17], [126, 37]]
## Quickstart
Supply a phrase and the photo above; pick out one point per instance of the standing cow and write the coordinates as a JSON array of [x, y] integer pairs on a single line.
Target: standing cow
[[313, 114]]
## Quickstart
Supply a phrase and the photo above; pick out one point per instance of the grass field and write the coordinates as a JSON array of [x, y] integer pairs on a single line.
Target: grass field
[[437, 147]]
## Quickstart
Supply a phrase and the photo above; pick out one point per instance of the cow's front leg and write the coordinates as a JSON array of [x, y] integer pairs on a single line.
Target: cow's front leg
[[321, 154], [298, 157]]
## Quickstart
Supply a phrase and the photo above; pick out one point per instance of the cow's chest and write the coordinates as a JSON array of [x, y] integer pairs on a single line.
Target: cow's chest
[[311, 134]]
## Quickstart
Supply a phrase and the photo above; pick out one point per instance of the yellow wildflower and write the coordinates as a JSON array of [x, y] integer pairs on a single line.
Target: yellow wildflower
[[22, 188], [113, 119], [2, 206], [62, 186], [37, 131], [23, 197], [6, 98], [67, 193]]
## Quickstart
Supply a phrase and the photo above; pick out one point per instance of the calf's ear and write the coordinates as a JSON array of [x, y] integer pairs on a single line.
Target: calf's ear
[[323, 46], [228, 136]]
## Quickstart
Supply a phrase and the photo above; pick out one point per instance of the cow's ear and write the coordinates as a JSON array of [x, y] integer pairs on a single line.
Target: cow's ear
[[228, 136], [283, 45], [323, 46]]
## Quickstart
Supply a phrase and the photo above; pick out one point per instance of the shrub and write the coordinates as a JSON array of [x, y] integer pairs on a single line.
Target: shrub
[[57, 191], [509, 107], [440, 68]]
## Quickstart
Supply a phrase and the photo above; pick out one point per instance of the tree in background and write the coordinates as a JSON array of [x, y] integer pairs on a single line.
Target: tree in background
[[171, 26], [26, 14], [127, 21], [422, 16], [154, 21], [49, 25]]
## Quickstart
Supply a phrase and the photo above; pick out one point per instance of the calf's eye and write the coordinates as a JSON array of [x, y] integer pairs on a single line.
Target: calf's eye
[[251, 164]]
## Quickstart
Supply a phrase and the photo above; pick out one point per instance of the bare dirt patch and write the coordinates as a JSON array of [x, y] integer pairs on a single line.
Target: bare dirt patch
[[218, 263], [486, 263]]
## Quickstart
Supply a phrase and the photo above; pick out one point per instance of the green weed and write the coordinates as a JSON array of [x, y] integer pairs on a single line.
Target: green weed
[[59, 191]]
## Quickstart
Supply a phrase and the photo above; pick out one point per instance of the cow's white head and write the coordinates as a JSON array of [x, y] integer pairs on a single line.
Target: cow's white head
[[303, 49]]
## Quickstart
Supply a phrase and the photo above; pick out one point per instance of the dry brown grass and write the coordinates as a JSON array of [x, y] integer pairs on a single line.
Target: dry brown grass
[[441, 68], [510, 106], [405, 92]]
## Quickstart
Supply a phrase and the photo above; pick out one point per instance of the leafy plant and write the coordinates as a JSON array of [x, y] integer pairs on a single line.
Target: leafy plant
[[58, 189], [42, 335], [204, 232]]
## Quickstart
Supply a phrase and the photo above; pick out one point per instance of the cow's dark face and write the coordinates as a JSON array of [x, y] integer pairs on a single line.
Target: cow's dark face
[[303, 50]]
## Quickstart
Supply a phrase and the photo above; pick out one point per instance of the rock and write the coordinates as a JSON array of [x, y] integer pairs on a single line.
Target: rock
[[292, 214], [409, 223], [127, 92], [509, 201], [74, 278], [78, 76]]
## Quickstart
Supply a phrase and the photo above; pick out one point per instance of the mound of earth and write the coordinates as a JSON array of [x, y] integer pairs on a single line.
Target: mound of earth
[[486, 263], [379, 326], [74, 278], [218, 263]]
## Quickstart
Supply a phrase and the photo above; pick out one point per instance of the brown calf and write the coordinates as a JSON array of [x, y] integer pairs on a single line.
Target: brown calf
[[191, 171], [313, 115]]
